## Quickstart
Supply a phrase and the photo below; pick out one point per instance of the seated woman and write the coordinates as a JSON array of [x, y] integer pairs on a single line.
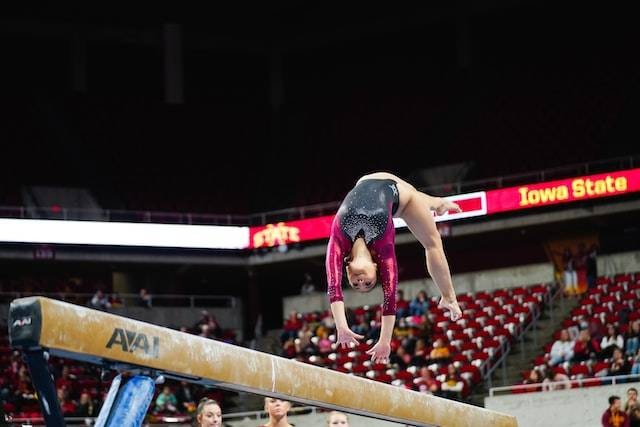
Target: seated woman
[[619, 364], [632, 338], [562, 349], [425, 382], [420, 353], [419, 305], [534, 378], [453, 385], [585, 347], [555, 380], [440, 352], [612, 340]]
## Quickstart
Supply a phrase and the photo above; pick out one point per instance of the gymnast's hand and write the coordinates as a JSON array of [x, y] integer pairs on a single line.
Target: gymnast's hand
[[380, 352], [446, 206], [346, 337], [452, 306]]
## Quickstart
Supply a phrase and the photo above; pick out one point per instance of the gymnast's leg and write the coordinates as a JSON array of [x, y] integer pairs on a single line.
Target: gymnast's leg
[[417, 215]]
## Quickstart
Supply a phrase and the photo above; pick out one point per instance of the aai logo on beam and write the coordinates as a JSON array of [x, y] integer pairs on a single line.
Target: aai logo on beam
[[129, 342]]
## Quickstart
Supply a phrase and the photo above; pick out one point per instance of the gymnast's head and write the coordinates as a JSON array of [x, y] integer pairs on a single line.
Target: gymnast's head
[[208, 413], [361, 273]]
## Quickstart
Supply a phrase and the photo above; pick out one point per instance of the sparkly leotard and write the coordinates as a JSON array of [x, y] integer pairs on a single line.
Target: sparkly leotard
[[367, 211]]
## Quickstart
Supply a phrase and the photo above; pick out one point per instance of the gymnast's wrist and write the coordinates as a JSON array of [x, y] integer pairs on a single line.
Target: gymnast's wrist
[[450, 297]]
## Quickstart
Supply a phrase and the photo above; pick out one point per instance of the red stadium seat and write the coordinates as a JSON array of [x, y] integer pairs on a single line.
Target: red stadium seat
[[579, 370]]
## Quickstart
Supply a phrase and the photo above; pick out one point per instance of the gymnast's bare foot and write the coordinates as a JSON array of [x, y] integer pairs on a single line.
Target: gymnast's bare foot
[[452, 306]]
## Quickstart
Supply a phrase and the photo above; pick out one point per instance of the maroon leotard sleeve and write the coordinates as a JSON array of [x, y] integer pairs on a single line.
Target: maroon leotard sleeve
[[337, 249], [385, 256]]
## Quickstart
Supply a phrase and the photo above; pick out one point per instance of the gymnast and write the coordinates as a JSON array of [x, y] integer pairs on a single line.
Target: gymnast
[[363, 239]]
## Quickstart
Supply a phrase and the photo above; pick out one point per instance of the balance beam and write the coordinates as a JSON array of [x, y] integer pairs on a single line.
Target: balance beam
[[80, 333]]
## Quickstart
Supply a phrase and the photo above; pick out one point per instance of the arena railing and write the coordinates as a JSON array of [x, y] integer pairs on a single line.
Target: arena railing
[[302, 212], [563, 385], [131, 300]]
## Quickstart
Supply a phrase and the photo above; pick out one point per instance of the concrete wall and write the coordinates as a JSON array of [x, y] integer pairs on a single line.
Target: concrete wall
[[626, 262], [562, 408], [229, 318]]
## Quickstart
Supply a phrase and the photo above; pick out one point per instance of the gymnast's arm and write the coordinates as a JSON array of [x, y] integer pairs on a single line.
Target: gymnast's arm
[[334, 264], [388, 265]]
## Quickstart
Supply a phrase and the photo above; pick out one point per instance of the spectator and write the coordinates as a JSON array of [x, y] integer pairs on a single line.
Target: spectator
[[337, 419], [569, 272], [592, 266], [400, 358], [419, 305], [562, 349], [596, 330], [186, 398], [115, 300], [420, 353], [613, 339], [634, 416], [99, 301], [614, 416], [324, 344], [67, 406], [166, 401], [328, 322], [308, 287], [632, 338], [144, 298], [291, 326], [555, 380], [425, 382], [632, 399], [303, 341], [208, 413], [440, 351], [402, 305], [635, 369], [213, 326], [65, 379], [452, 387], [361, 328], [535, 377], [585, 347], [24, 393], [289, 348], [580, 265], [86, 406], [619, 364], [277, 410], [205, 332]]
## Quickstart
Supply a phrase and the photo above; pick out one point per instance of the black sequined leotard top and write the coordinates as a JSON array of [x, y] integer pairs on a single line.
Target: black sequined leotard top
[[367, 211]]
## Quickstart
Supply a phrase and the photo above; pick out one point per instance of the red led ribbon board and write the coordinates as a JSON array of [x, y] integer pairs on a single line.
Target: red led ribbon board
[[473, 205], [283, 233], [563, 191]]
